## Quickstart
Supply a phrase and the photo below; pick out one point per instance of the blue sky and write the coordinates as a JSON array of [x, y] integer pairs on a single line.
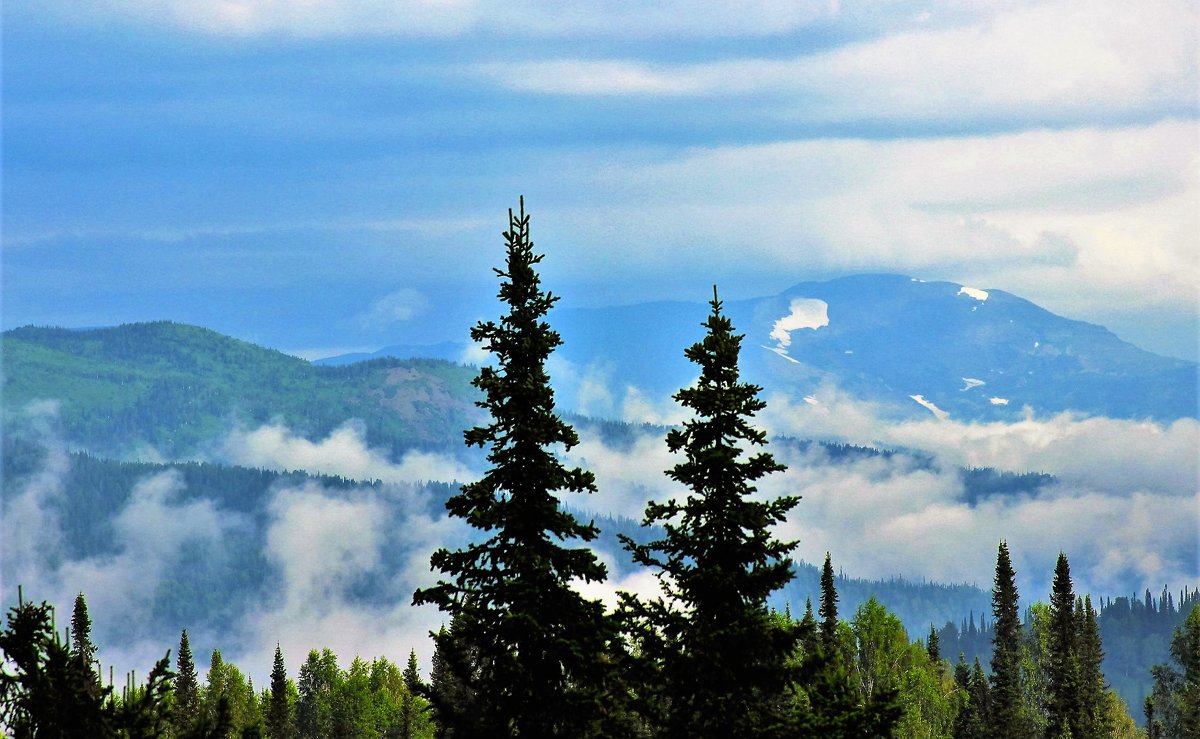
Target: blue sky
[[328, 175]]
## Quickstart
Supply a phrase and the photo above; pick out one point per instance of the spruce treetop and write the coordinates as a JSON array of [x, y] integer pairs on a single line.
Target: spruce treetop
[[537, 644], [722, 660]]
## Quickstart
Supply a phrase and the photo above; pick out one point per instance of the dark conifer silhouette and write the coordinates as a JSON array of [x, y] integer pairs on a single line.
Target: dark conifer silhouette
[[280, 724], [828, 609], [1062, 666], [81, 632], [1091, 716], [539, 643], [187, 689], [1006, 694], [723, 660]]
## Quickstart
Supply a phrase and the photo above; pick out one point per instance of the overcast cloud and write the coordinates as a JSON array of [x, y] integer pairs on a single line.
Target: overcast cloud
[[334, 174]]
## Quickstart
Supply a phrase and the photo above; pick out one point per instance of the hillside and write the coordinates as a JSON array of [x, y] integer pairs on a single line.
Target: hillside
[[172, 388]]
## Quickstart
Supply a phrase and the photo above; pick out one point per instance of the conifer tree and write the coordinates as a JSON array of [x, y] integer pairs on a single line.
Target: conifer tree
[[1091, 718], [933, 646], [187, 689], [1062, 667], [413, 687], [280, 724], [724, 663], [450, 695], [81, 633], [1006, 692], [539, 643], [828, 608]]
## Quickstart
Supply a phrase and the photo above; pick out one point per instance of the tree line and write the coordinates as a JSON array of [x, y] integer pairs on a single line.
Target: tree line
[[526, 654]]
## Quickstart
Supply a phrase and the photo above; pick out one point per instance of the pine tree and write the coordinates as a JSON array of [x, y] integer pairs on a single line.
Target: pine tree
[[1091, 718], [449, 692], [187, 689], [828, 608], [933, 646], [1062, 667], [279, 712], [81, 633], [413, 687], [540, 644], [1006, 692], [724, 664]]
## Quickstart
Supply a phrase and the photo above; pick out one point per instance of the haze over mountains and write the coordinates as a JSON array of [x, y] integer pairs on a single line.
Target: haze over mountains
[[912, 347]]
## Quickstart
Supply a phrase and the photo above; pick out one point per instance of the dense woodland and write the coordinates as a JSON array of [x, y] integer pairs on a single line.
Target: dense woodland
[[523, 654]]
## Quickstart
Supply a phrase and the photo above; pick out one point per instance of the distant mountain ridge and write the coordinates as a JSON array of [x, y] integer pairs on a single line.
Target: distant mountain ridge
[[913, 347], [173, 388]]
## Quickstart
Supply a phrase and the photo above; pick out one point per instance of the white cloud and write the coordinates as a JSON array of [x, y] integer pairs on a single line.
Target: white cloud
[[344, 452], [1078, 220], [678, 18], [398, 306], [1063, 57]]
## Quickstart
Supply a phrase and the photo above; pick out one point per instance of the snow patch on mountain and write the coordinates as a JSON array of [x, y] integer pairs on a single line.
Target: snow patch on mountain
[[941, 414], [802, 313], [972, 292]]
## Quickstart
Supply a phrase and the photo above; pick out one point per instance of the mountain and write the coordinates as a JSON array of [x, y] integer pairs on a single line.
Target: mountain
[[172, 388], [912, 347]]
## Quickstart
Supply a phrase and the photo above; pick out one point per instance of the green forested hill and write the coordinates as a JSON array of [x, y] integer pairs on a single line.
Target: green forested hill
[[172, 386]]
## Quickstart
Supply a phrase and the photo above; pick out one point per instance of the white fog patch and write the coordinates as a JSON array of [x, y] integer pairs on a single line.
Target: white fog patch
[[152, 530], [638, 407], [30, 523], [805, 313], [344, 452], [325, 541], [474, 355], [971, 292], [627, 478]]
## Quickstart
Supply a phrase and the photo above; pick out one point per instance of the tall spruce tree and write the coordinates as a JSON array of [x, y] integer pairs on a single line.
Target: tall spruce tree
[[828, 609], [81, 633], [409, 709], [1062, 668], [724, 661], [1091, 718], [1007, 695], [187, 689], [280, 724], [539, 643]]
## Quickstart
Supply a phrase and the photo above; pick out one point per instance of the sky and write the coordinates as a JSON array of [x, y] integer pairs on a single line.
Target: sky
[[330, 176]]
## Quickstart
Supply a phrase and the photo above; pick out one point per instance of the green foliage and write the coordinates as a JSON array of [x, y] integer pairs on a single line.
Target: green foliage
[[828, 609], [172, 387], [280, 721], [187, 689], [81, 632], [721, 661], [1006, 694], [49, 690], [320, 681], [539, 644], [1062, 657], [1175, 701]]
